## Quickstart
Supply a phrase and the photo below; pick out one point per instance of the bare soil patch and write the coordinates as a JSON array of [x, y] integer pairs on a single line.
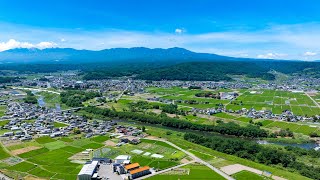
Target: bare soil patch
[[24, 150], [110, 143]]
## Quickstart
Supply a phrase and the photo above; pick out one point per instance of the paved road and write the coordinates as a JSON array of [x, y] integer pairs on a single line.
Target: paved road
[[315, 102], [166, 170], [196, 159]]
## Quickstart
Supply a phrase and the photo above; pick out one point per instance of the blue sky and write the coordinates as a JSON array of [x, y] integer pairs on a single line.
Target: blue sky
[[280, 29]]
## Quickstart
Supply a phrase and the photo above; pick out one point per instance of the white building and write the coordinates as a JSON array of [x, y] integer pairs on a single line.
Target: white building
[[87, 171], [122, 158]]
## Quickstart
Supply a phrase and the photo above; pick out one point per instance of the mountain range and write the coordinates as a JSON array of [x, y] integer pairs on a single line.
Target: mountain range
[[138, 54]]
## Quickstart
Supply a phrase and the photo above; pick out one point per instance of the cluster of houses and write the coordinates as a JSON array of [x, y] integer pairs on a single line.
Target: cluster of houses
[[128, 135], [286, 115], [117, 169], [27, 120]]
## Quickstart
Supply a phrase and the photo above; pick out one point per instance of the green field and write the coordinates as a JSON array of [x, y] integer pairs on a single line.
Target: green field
[[182, 94], [23, 167], [4, 122], [246, 175], [2, 111], [194, 171], [44, 139], [276, 101], [3, 153], [294, 127], [100, 139], [52, 160], [58, 124], [54, 145]]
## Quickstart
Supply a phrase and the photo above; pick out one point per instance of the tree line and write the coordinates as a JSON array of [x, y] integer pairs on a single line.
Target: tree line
[[75, 98], [250, 131]]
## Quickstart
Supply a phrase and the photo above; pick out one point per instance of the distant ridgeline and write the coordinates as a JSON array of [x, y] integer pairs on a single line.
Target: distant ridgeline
[[149, 64]]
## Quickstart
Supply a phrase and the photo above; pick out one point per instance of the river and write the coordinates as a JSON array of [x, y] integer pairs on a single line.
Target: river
[[302, 145]]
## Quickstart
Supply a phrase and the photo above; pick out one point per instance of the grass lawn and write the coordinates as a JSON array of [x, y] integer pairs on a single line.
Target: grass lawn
[[2, 131], [58, 124], [93, 146], [23, 145], [100, 139], [159, 164], [246, 175], [195, 172], [2, 110], [224, 115], [3, 153], [23, 167], [55, 145], [65, 139], [33, 153], [44, 139], [297, 128], [39, 172], [5, 122]]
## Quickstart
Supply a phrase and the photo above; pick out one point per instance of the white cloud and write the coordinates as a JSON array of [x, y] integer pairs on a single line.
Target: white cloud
[[43, 45], [179, 31], [271, 56], [308, 53], [12, 43], [62, 40]]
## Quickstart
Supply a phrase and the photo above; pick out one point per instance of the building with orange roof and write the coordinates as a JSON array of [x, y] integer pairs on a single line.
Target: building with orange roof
[[133, 166], [142, 171]]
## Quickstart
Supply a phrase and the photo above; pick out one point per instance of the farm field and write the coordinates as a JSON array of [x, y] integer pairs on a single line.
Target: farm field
[[294, 127], [51, 158], [245, 175], [194, 171], [144, 153], [276, 101], [183, 94]]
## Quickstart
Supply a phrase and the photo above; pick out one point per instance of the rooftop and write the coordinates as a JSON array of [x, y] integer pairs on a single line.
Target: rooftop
[[127, 157], [89, 168], [140, 170], [131, 166]]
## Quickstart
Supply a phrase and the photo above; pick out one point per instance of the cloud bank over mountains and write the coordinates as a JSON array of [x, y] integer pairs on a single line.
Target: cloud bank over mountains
[[275, 42], [12, 44]]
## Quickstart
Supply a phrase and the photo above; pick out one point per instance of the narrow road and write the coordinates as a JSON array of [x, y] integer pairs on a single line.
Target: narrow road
[[315, 102], [35, 89], [121, 94], [196, 159], [166, 170]]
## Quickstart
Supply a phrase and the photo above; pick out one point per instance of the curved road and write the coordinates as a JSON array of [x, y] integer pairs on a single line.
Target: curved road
[[195, 158]]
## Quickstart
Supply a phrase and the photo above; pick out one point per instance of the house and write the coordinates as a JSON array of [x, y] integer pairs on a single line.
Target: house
[[139, 172], [135, 141]]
